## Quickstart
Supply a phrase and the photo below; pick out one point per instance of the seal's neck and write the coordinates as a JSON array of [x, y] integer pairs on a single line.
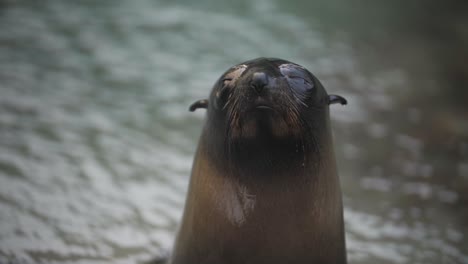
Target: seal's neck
[[237, 216], [265, 154]]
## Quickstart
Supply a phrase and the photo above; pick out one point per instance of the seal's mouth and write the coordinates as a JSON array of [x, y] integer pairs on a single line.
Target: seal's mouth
[[262, 104], [263, 107], [264, 118]]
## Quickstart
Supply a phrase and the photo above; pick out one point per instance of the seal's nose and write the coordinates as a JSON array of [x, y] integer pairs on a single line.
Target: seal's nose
[[259, 81]]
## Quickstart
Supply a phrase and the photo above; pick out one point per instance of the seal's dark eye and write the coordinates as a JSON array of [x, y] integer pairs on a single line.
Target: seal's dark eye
[[297, 78], [299, 84]]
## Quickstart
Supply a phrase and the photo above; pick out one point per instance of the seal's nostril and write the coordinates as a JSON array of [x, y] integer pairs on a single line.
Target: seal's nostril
[[259, 81]]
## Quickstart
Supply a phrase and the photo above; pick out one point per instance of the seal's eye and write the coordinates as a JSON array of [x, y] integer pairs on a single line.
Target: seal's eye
[[226, 81], [297, 78], [299, 84], [222, 94], [226, 85]]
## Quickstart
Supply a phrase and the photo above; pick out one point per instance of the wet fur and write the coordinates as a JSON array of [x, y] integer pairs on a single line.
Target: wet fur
[[264, 186]]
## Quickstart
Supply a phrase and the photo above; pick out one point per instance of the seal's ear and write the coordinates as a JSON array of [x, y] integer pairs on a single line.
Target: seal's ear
[[199, 104], [336, 99]]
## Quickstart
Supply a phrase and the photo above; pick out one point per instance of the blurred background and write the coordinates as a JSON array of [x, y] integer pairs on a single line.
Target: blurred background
[[96, 141]]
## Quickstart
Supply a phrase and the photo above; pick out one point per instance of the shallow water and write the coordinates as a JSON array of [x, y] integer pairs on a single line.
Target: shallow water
[[96, 142]]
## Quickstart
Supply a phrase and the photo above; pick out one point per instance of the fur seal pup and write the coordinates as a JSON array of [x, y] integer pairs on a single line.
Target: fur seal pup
[[264, 186]]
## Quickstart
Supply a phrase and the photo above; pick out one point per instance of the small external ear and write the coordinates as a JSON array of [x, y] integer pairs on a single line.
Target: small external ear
[[199, 104], [336, 99]]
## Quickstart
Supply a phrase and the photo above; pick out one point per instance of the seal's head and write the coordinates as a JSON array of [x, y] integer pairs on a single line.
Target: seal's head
[[266, 97], [266, 101]]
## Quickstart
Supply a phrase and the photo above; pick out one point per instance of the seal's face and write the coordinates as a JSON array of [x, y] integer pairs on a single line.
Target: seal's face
[[265, 114], [267, 97]]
